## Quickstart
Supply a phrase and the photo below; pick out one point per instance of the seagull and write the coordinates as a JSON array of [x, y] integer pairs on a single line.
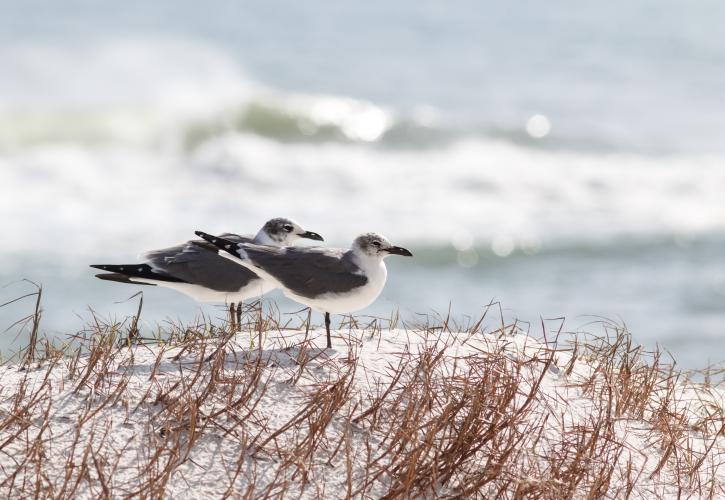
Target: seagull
[[329, 280], [196, 268]]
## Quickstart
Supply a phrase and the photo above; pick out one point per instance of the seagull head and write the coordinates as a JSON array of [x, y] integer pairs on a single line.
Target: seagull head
[[375, 245], [283, 232]]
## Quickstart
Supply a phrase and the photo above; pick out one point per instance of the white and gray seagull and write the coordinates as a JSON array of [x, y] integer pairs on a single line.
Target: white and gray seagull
[[329, 280], [195, 268]]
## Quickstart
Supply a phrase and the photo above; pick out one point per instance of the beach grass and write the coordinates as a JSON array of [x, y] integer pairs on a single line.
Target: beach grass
[[437, 409]]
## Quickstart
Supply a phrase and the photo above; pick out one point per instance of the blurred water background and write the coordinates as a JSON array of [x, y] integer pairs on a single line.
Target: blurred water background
[[566, 159]]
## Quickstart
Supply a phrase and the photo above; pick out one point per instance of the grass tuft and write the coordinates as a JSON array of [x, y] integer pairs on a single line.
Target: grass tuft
[[395, 410]]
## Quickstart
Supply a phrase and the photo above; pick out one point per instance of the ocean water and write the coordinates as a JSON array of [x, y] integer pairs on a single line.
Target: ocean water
[[565, 161]]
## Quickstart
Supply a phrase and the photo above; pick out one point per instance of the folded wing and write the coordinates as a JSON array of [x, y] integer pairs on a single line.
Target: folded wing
[[308, 272], [198, 262]]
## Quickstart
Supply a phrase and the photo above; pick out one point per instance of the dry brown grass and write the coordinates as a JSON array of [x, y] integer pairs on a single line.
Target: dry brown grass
[[447, 411]]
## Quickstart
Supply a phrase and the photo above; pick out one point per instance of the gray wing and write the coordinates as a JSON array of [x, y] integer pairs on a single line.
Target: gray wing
[[308, 272], [189, 250], [198, 262]]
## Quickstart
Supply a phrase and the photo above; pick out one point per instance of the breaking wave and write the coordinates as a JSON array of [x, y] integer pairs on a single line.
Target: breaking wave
[[148, 141]]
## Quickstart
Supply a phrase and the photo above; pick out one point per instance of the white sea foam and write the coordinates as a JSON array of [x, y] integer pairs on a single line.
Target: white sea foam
[[492, 191]]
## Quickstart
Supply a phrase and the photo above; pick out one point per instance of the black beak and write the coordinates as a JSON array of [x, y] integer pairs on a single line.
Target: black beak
[[311, 236], [399, 251]]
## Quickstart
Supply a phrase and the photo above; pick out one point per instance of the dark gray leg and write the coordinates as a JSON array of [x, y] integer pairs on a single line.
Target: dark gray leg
[[260, 322], [239, 315], [231, 314], [327, 327]]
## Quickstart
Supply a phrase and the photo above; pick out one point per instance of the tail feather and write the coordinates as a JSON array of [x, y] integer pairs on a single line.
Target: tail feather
[[130, 271]]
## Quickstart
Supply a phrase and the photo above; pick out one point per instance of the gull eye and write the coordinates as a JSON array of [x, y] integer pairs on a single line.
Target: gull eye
[[376, 243], [288, 228]]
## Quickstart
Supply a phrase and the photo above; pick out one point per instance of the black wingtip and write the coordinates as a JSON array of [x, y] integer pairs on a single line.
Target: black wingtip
[[206, 236], [219, 242], [216, 240], [136, 271]]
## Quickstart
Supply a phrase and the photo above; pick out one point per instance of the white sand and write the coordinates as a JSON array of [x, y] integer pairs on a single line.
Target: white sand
[[122, 431]]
